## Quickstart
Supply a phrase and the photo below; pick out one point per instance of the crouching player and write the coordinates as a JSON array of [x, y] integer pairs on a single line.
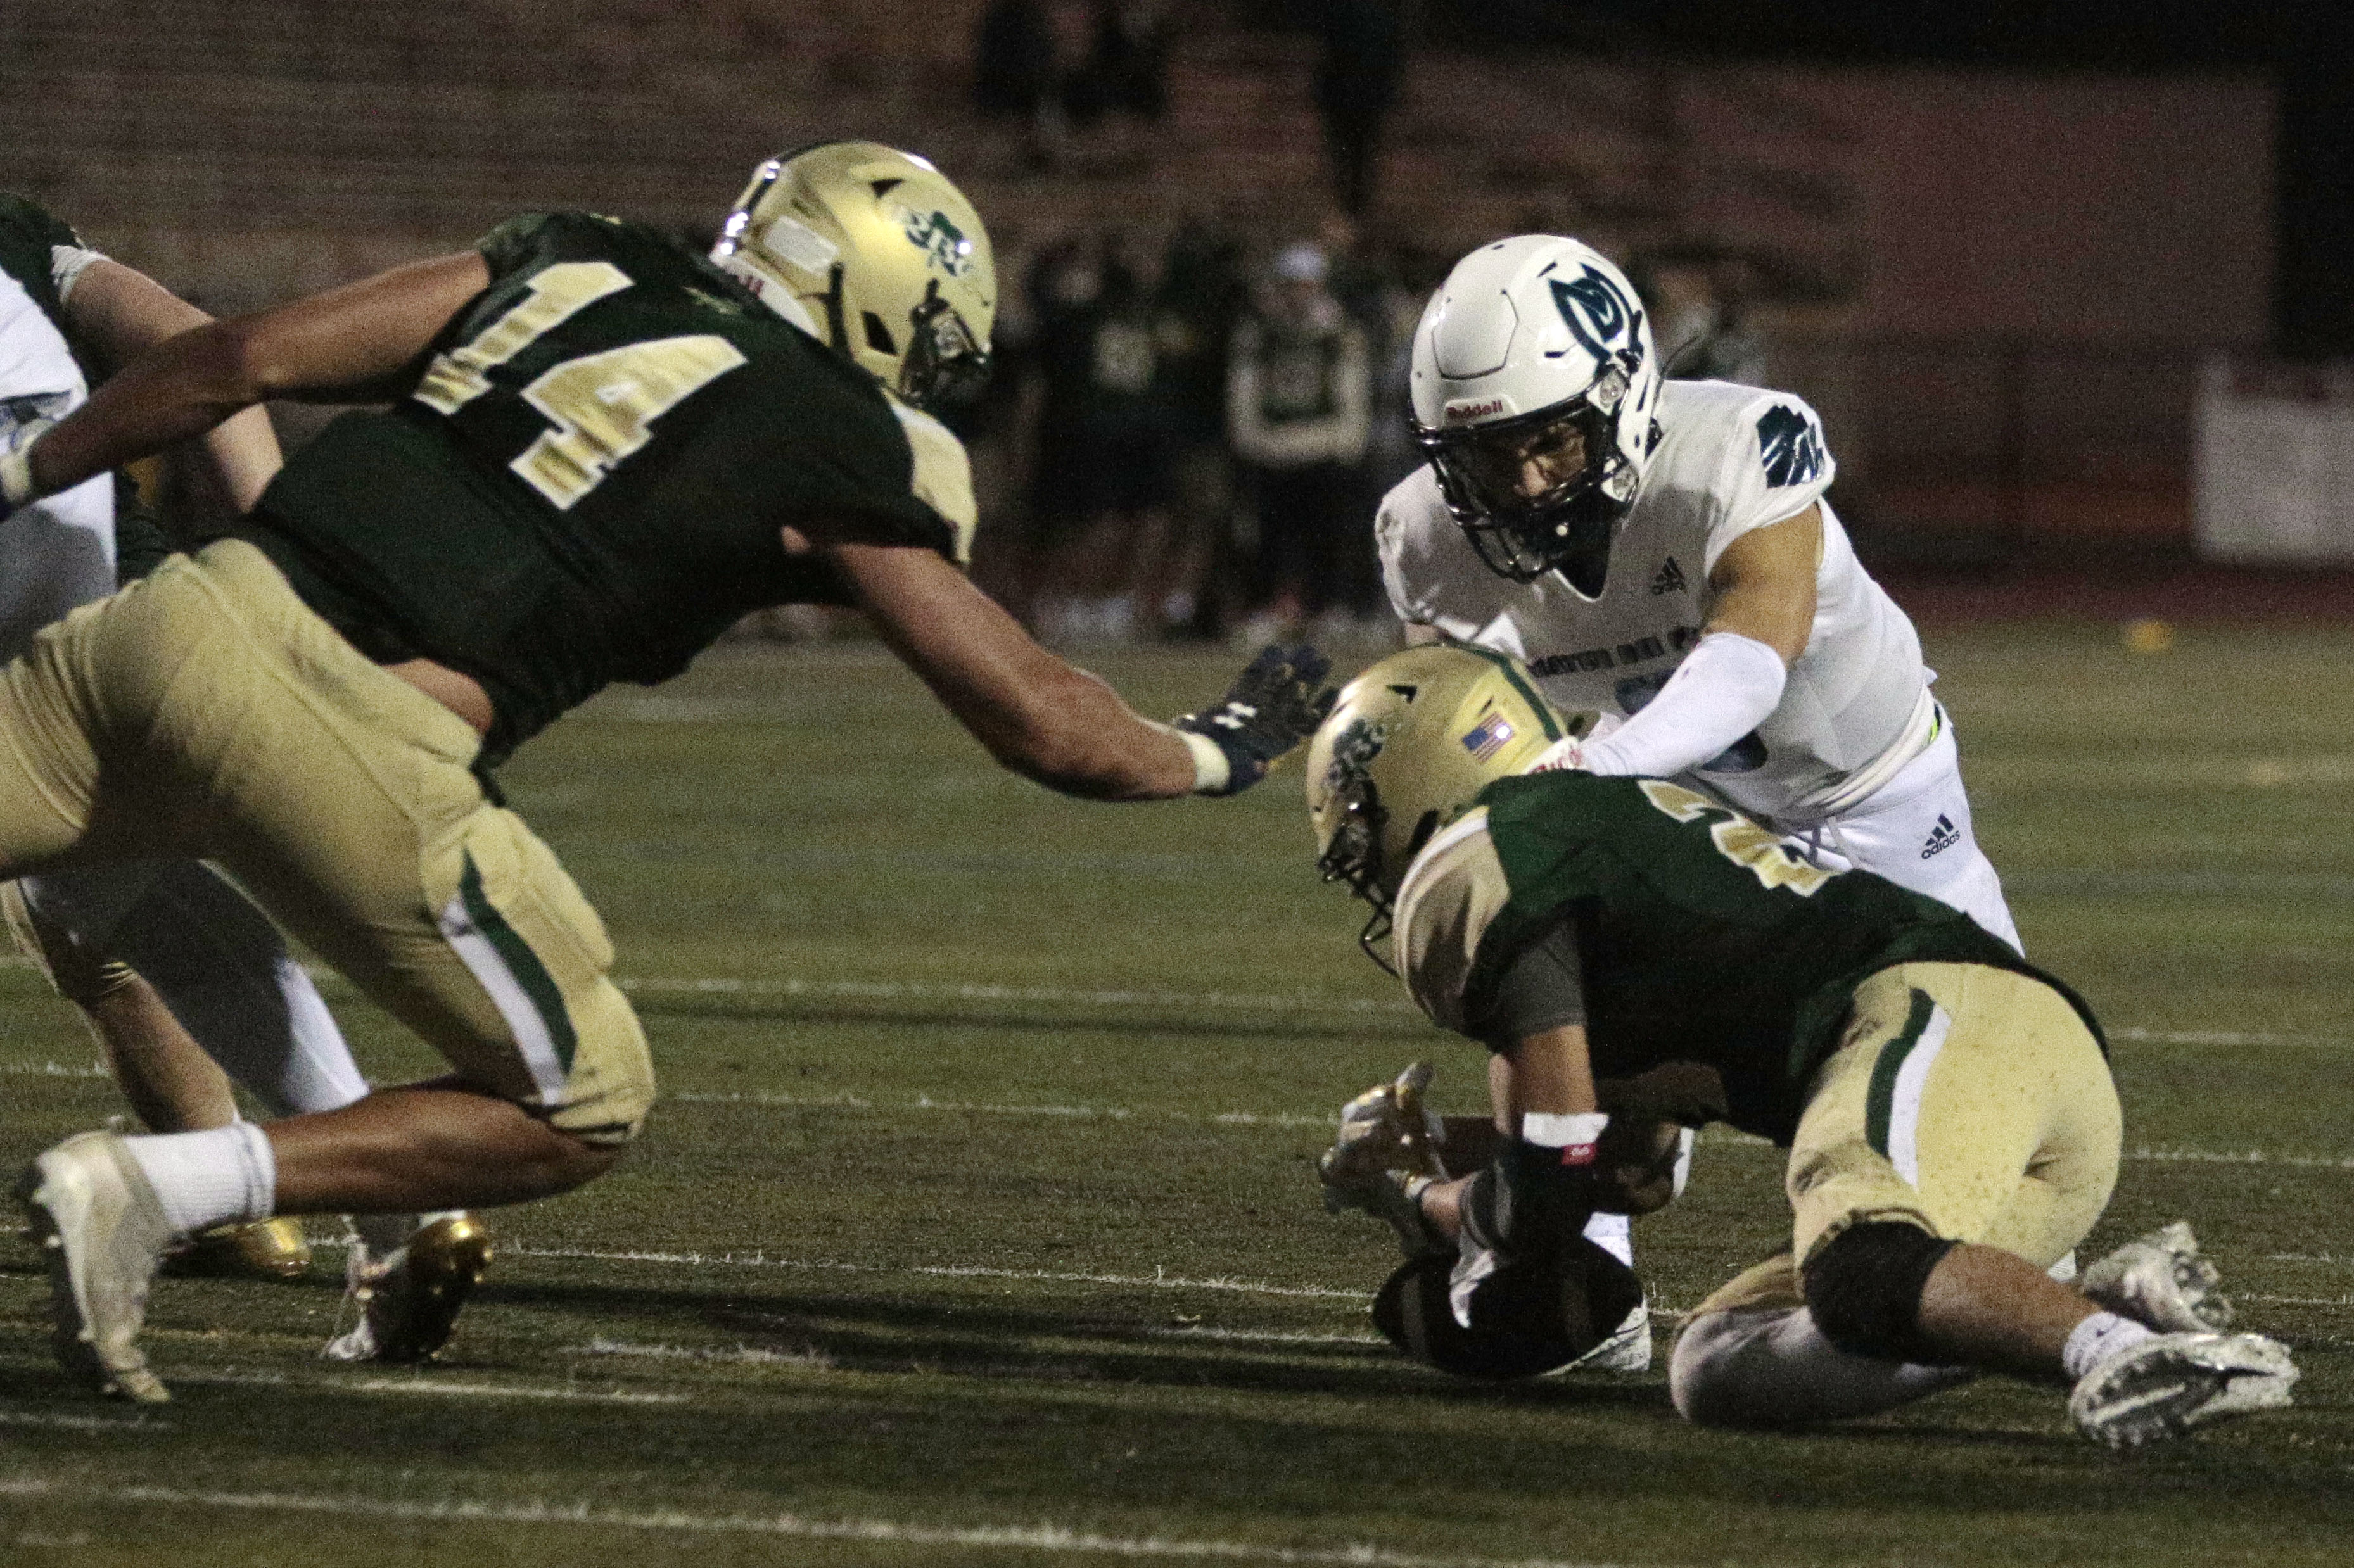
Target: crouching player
[[1952, 1126]]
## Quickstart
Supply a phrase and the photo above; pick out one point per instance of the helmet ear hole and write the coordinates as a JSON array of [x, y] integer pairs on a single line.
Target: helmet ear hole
[[1424, 827], [878, 336]]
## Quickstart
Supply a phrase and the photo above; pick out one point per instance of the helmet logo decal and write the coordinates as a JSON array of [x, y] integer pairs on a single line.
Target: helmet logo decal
[[1464, 410], [1489, 737], [1789, 445], [1599, 314], [944, 245]]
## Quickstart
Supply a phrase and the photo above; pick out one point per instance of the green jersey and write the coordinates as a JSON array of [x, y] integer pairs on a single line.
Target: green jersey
[[587, 477], [1700, 936]]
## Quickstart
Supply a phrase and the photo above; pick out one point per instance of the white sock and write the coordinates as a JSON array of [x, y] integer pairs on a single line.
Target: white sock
[[1611, 1233], [222, 1176], [2098, 1337]]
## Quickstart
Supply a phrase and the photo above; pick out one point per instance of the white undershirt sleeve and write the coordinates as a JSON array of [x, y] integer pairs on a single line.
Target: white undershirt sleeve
[[1725, 688]]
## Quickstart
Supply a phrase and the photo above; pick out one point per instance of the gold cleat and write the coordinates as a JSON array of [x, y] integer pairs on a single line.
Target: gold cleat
[[265, 1249], [408, 1301]]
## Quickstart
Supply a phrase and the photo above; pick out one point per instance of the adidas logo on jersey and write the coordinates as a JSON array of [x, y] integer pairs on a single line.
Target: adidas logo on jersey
[[1942, 837], [1668, 579]]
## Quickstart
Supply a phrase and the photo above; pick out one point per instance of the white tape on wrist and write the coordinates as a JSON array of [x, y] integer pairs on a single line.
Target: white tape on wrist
[[1212, 771], [1577, 1135]]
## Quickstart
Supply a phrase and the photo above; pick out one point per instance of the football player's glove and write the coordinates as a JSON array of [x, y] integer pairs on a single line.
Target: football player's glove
[[1384, 1158], [1274, 704], [16, 486]]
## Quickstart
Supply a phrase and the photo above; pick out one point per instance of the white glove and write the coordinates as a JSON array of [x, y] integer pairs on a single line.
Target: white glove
[[17, 464]]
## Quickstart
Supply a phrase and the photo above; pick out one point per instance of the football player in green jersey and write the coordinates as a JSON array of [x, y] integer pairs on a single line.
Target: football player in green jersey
[[599, 451], [1634, 954]]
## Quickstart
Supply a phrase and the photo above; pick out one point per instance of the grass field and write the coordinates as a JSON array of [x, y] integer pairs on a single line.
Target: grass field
[[978, 1223]]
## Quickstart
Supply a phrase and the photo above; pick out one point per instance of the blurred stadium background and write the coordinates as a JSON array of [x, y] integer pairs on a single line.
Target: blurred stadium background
[[2032, 263]]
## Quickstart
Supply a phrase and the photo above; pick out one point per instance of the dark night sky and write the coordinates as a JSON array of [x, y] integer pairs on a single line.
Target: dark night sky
[[2306, 46]]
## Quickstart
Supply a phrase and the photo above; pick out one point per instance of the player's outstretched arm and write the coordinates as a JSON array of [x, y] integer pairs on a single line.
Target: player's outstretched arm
[[1058, 724], [122, 313], [1045, 719], [339, 346]]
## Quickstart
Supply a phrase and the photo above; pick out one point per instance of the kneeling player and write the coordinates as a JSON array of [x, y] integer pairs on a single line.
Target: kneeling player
[[1952, 1128]]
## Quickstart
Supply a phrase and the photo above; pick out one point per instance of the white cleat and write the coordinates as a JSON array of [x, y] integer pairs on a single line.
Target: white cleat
[[1627, 1349], [101, 1232], [2168, 1384], [1384, 1157], [408, 1299], [2162, 1280]]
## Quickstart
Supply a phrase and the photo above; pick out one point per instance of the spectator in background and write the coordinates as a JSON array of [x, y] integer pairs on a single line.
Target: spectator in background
[[1016, 77], [1194, 580], [1101, 486], [1356, 82], [1127, 67], [1298, 390]]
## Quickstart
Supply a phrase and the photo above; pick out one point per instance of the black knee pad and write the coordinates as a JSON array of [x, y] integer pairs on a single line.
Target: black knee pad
[[1864, 1288]]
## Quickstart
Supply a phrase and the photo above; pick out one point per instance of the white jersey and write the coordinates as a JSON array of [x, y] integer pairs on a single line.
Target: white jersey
[[58, 552], [1731, 459]]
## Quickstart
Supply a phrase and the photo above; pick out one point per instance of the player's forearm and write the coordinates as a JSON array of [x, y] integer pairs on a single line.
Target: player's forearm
[[181, 391], [1072, 734], [1035, 714], [1724, 689], [239, 457]]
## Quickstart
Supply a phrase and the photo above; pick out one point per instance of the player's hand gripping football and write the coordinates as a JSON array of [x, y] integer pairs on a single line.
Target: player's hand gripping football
[[1274, 704]]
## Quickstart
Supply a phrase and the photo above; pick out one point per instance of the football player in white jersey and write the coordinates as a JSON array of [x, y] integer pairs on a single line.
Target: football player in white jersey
[[172, 966], [1660, 552]]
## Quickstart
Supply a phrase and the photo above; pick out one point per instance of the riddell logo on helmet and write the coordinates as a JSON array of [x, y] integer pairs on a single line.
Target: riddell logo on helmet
[[1463, 410]]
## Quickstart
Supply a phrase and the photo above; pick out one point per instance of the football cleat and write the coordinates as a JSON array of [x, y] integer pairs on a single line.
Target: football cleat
[[2170, 1383], [101, 1232], [264, 1249], [1627, 1349], [1384, 1158], [408, 1299], [2162, 1280]]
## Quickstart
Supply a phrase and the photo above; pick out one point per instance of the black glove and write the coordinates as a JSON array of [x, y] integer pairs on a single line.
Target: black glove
[[1274, 704]]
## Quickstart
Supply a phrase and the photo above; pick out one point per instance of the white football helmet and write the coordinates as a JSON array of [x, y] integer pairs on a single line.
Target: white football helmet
[[1536, 387], [876, 252]]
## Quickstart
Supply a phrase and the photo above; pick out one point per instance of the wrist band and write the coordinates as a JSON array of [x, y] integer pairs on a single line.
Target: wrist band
[[1212, 771], [1576, 1136]]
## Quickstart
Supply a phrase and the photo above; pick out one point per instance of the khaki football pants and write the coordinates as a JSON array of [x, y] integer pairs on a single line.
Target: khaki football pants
[[205, 712], [1968, 1100]]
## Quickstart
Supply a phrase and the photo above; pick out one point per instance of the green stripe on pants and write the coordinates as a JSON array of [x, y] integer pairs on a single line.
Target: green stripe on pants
[[1881, 1104], [538, 984]]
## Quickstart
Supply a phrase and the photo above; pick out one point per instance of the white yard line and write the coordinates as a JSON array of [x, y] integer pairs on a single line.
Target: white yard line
[[1050, 1538], [507, 1391], [748, 1355], [80, 1422], [1154, 1281]]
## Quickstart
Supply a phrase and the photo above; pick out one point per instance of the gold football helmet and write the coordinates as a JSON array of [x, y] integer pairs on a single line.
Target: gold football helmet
[[1408, 745], [876, 251]]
